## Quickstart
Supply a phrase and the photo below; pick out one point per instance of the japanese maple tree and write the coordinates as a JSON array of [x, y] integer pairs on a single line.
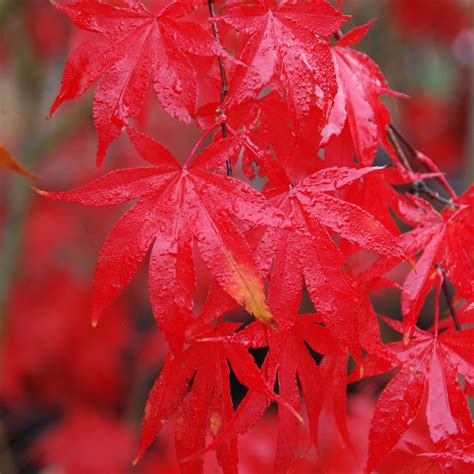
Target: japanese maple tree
[[298, 220]]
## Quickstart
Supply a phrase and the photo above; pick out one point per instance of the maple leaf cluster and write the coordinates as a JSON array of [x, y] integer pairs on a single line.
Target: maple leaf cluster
[[282, 202]]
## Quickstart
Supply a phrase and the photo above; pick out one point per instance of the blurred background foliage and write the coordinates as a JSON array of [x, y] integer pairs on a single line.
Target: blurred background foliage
[[71, 398]]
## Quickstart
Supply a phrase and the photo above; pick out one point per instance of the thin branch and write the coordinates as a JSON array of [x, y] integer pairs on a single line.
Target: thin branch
[[198, 144], [430, 167], [399, 134], [449, 300], [398, 149], [419, 186], [225, 85]]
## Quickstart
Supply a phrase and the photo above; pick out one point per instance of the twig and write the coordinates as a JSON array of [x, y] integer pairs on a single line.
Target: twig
[[396, 130], [449, 300], [419, 186], [225, 85], [430, 167], [398, 149]]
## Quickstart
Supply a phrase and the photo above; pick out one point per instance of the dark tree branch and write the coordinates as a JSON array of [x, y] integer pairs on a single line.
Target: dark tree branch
[[420, 186], [225, 85]]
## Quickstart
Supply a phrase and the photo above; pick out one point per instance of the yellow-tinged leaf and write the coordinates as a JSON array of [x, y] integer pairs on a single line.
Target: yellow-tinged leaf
[[247, 289]]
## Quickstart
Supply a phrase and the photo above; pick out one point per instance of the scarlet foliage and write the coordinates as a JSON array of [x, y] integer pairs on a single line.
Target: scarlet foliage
[[294, 224]]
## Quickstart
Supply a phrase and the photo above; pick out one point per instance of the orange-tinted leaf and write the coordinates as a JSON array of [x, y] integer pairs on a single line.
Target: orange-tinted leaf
[[8, 162]]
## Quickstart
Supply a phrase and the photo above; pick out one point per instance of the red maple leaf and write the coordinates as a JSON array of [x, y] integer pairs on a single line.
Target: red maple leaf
[[288, 363], [357, 104], [269, 128], [195, 385], [176, 207], [132, 47], [287, 40], [445, 240], [428, 367], [308, 250]]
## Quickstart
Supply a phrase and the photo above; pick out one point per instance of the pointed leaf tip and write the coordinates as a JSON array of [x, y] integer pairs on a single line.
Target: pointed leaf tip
[[41, 192], [94, 322], [412, 262], [354, 36], [273, 324], [8, 162], [264, 315]]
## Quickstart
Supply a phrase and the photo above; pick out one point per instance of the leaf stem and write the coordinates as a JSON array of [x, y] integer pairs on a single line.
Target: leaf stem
[[225, 85], [398, 149], [449, 300], [438, 293], [198, 144]]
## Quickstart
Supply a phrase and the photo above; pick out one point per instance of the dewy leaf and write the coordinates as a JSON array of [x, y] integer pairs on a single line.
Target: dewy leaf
[[131, 48], [8, 162], [428, 366], [176, 207], [195, 385], [396, 409], [289, 40], [445, 240], [357, 103], [308, 250], [301, 114], [458, 255], [290, 364]]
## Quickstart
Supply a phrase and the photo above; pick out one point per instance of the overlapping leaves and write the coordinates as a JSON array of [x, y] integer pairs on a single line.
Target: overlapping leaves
[[131, 48], [176, 207], [291, 97]]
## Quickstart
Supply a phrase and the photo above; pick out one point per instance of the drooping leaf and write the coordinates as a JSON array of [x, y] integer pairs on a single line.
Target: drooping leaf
[[195, 386], [444, 241], [357, 103]]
